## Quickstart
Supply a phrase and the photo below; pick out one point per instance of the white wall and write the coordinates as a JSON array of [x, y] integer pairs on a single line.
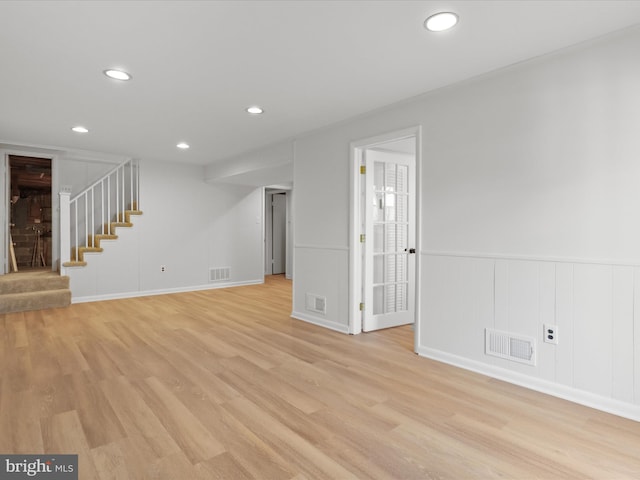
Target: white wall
[[79, 173], [75, 169], [529, 215], [272, 165], [188, 226]]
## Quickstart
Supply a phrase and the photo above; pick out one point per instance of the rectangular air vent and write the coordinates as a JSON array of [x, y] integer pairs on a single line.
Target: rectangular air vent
[[316, 303], [219, 274], [516, 348]]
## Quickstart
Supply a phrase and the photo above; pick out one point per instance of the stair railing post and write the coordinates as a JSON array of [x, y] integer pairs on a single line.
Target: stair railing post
[[65, 227], [137, 183], [131, 185]]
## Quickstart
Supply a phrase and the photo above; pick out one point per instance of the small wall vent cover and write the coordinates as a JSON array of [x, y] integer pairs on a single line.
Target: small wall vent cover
[[219, 274], [316, 303], [516, 348]]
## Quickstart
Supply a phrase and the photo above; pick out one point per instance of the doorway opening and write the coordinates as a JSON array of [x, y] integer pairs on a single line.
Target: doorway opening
[[277, 232], [385, 233], [30, 216]]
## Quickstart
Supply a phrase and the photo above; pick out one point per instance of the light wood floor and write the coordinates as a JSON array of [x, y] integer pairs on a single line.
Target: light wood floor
[[224, 384]]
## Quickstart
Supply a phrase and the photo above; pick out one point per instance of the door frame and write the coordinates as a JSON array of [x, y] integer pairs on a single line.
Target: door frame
[[356, 220], [268, 192], [5, 152]]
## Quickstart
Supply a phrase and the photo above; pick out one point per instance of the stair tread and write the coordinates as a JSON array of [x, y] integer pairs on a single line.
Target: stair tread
[[95, 239], [32, 282], [33, 294], [41, 300], [91, 249], [74, 263]]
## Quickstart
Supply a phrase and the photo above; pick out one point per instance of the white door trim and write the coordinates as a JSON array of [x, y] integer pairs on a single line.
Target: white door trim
[[355, 221], [52, 155], [267, 194], [4, 214]]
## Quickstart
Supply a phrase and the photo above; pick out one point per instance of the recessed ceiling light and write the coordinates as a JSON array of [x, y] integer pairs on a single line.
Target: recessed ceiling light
[[117, 74], [183, 145], [80, 129], [438, 22], [255, 110]]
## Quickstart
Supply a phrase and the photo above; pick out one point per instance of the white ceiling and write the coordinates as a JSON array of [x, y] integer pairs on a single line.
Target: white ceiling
[[196, 66]]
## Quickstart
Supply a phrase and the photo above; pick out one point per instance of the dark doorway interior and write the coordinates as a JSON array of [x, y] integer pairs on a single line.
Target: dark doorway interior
[[30, 217]]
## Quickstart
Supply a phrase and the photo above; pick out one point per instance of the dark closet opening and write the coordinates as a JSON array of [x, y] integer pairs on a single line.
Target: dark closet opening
[[30, 216]]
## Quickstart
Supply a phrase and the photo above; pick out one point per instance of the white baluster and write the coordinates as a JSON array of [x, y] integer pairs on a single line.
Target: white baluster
[[65, 227]]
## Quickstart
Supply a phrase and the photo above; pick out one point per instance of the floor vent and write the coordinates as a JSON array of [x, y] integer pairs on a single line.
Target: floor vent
[[512, 347], [316, 303], [219, 274]]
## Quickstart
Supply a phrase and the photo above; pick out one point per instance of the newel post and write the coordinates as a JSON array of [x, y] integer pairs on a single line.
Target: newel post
[[65, 227]]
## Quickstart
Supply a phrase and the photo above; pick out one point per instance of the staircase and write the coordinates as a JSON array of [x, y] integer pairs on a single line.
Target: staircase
[[95, 214], [93, 241], [92, 216], [35, 290]]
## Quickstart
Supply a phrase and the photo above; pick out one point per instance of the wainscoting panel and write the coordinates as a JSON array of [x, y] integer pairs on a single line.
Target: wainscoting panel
[[457, 304], [592, 328], [525, 300], [622, 341], [564, 321], [547, 352], [636, 335], [322, 271], [595, 307]]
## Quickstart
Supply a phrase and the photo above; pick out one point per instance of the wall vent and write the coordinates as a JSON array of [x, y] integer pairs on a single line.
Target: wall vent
[[516, 348], [316, 303], [219, 274]]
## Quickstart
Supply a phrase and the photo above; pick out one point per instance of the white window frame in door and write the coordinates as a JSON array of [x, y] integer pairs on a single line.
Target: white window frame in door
[[356, 278]]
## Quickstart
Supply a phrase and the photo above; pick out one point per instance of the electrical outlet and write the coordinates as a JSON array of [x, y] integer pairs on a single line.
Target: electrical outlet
[[163, 268], [551, 334]]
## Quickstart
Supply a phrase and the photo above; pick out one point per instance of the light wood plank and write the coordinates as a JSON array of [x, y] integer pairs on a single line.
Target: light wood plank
[[63, 434], [224, 384], [137, 419], [197, 443]]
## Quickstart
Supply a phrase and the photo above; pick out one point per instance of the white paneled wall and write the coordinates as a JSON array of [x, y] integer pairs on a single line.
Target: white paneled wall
[[593, 306], [189, 227], [622, 334], [529, 200], [636, 336], [329, 280], [592, 328]]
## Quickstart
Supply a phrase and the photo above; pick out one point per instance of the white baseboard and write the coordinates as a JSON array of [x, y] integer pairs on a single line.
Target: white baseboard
[[148, 293], [322, 322], [609, 405]]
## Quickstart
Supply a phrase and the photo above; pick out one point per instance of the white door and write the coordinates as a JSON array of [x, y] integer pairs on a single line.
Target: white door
[[279, 233], [389, 247]]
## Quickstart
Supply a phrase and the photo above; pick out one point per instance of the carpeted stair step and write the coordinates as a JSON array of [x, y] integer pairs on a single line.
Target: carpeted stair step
[[127, 215], [98, 238], [32, 282], [74, 263], [78, 258], [123, 221], [111, 227], [33, 290], [26, 301]]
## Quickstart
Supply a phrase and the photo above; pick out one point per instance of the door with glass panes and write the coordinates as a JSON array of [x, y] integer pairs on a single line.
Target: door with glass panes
[[389, 247]]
